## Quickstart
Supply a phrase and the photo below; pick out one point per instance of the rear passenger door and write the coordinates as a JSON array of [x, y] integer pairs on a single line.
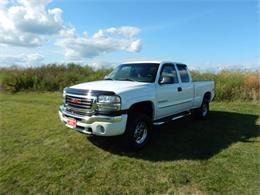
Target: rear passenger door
[[187, 87]]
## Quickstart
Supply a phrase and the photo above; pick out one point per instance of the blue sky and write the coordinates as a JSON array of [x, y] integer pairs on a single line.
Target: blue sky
[[207, 35]]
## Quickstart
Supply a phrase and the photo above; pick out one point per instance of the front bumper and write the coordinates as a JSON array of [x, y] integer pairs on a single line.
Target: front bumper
[[101, 125]]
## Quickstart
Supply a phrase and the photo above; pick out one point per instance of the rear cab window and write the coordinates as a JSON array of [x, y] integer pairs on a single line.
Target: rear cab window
[[183, 72]]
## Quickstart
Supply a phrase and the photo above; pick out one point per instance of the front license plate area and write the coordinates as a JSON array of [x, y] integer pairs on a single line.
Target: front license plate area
[[71, 122]]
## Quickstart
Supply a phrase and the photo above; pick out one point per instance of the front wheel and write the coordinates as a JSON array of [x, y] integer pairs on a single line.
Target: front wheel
[[138, 131]]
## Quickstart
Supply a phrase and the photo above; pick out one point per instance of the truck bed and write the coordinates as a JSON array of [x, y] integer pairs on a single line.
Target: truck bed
[[200, 88]]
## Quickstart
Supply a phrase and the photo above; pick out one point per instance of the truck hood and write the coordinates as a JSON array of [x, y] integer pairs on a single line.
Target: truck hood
[[109, 85]]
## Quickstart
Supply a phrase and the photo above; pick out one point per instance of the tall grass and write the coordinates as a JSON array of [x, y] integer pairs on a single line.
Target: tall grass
[[233, 85], [230, 85], [52, 77]]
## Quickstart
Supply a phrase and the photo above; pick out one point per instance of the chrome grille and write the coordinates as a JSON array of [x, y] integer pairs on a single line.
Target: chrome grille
[[79, 105]]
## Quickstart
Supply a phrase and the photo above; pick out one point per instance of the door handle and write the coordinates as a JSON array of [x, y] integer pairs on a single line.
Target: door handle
[[179, 89]]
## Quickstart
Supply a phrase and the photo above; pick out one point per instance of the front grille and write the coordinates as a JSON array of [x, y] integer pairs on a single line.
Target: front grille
[[79, 105]]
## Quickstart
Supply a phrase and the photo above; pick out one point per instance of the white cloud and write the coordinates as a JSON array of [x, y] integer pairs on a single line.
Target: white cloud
[[104, 41], [3, 3], [127, 31], [27, 22], [98, 64], [22, 59]]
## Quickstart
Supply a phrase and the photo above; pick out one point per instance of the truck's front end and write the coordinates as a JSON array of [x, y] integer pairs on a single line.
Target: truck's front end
[[93, 112]]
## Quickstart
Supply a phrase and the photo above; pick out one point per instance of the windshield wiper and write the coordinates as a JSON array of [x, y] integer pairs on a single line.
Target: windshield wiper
[[108, 79], [127, 79]]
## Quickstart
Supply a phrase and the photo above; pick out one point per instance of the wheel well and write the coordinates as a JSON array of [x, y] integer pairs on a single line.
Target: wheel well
[[143, 107], [207, 96]]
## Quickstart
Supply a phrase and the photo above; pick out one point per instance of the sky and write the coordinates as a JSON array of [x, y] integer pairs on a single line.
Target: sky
[[204, 34]]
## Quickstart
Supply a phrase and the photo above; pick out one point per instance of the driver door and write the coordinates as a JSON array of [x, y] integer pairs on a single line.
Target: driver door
[[168, 92]]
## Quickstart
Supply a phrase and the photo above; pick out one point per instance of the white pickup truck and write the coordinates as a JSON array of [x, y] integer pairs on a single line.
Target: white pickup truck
[[133, 98]]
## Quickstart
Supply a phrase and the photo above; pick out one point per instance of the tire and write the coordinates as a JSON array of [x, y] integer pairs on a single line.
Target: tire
[[138, 131], [202, 111]]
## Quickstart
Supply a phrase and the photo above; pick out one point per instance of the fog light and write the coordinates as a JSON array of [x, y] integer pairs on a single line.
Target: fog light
[[101, 129]]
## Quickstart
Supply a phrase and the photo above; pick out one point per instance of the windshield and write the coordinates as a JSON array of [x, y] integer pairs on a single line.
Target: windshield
[[144, 72]]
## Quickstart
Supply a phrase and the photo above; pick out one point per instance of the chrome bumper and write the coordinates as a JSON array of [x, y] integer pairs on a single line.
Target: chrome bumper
[[97, 125], [91, 119]]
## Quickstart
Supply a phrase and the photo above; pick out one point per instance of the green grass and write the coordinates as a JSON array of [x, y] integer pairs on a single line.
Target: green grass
[[39, 155]]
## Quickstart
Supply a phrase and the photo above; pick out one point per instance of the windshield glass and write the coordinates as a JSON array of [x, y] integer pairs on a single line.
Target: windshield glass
[[143, 72]]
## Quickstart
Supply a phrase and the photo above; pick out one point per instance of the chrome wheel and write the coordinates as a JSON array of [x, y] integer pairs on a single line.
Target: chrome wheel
[[140, 133], [204, 109]]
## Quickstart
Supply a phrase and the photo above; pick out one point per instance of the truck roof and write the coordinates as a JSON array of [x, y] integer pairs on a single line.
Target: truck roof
[[151, 61]]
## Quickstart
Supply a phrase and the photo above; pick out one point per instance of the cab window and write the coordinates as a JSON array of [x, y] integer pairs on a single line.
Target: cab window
[[168, 74], [183, 71]]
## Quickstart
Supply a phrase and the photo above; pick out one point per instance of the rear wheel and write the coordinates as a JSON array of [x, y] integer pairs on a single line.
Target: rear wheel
[[202, 111], [138, 131]]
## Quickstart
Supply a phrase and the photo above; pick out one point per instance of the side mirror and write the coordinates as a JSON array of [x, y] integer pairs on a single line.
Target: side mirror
[[166, 80]]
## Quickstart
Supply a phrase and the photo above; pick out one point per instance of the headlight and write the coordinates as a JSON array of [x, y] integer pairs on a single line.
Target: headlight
[[108, 103], [108, 99]]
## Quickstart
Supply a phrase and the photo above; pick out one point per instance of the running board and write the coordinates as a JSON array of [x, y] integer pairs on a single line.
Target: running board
[[172, 118], [177, 117], [158, 123]]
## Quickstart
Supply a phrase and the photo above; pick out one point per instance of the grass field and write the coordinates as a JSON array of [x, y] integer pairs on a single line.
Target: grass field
[[40, 155]]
